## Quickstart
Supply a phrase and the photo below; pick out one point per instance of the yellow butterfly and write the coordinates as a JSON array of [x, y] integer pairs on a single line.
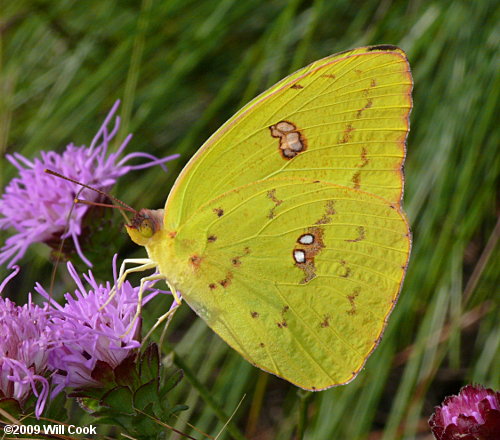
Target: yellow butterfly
[[285, 231]]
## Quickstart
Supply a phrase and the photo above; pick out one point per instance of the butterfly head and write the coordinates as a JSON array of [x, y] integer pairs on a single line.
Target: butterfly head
[[145, 224]]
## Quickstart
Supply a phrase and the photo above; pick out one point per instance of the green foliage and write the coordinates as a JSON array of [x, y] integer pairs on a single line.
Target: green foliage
[[132, 396], [182, 68]]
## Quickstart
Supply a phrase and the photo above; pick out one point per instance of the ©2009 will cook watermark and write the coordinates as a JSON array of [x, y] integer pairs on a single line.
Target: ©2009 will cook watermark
[[49, 429]]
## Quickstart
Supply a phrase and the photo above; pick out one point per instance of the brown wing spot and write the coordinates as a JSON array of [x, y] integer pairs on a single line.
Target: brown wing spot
[[329, 75], [366, 106], [285, 309], [195, 261], [277, 202], [212, 286], [351, 299], [226, 282], [272, 195], [327, 216], [172, 234], [361, 235], [254, 314], [219, 212], [305, 254], [237, 260], [330, 209], [345, 271], [211, 238], [311, 244], [346, 136], [296, 86], [291, 139], [282, 324], [373, 83], [326, 322], [364, 158], [356, 179], [262, 345]]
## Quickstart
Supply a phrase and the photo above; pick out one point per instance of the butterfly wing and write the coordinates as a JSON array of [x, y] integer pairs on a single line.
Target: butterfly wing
[[342, 119], [298, 276], [285, 231]]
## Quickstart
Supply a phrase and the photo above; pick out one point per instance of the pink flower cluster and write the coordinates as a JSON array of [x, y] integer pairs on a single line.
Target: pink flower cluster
[[26, 339], [40, 207], [60, 345]]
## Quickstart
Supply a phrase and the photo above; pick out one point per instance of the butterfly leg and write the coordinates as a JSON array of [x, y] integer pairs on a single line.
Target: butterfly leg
[[144, 264], [167, 316], [142, 288], [175, 294], [136, 261], [149, 264]]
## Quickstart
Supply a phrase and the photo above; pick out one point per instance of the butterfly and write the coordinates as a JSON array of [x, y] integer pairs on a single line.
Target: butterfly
[[285, 231]]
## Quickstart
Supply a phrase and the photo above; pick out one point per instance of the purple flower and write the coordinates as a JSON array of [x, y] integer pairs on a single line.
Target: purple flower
[[472, 415], [89, 336], [26, 337], [37, 205]]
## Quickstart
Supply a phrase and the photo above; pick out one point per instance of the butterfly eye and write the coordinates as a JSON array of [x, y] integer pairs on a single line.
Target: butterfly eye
[[147, 228], [144, 225]]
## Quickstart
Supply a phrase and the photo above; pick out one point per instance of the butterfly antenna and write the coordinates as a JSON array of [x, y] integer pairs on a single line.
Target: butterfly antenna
[[123, 206]]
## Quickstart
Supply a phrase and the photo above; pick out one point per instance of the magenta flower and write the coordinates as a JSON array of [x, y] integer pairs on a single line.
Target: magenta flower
[[37, 205], [26, 337], [472, 415], [89, 336]]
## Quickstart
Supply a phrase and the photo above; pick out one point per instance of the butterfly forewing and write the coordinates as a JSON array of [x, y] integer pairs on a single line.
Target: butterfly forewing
[[343, 119]]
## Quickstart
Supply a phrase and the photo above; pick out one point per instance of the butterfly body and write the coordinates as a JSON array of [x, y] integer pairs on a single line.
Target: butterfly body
[[285, 232]]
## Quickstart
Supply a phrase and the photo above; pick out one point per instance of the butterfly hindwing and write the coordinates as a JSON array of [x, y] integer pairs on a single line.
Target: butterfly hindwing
[[310, 266]]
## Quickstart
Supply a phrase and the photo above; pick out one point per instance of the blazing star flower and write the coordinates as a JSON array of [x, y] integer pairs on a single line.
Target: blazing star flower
[[472, 415], [40, 206], [90, 334], [26, 338]]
